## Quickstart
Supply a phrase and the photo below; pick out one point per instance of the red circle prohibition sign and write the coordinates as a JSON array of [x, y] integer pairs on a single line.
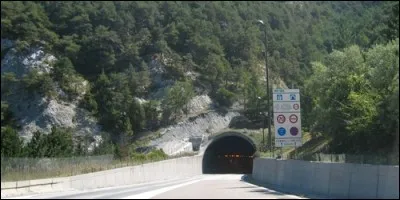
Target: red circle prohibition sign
[[281, 119], [293, 118], [296, 106]]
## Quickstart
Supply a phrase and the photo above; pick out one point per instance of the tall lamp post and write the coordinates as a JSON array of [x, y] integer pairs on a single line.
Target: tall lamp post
[[263, 119], [266, 74]]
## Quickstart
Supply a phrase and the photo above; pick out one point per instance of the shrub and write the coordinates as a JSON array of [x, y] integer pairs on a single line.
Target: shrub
[[40, 82], [11, 144], [225, 97]]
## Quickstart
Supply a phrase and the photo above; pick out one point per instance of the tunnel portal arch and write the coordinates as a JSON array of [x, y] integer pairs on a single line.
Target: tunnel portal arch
[[229, 152]]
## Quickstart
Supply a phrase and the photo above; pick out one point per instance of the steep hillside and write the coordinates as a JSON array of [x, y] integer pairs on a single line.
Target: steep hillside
[[121, 70]]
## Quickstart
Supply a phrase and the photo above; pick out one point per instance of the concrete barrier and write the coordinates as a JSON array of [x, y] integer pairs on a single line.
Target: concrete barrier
[[9, 185], [60, 183], [364, 181], [388, 182], [40, 185], [339, 184], [335, 180], [163, 170], [280, 174], [11, 188], [320, 178]]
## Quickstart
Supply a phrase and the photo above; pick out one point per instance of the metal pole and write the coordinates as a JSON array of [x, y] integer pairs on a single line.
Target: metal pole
[[258, 110], [263, 119], [263, 143], [268, 97]]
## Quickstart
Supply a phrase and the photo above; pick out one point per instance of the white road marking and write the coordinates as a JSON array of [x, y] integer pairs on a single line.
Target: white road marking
[[71, 191], [148, 195]]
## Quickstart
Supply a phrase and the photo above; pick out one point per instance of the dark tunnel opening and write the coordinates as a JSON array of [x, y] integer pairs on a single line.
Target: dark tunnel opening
[[229, 154]]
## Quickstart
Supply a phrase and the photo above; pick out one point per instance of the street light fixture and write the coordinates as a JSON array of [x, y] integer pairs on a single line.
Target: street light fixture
[[267, 77]]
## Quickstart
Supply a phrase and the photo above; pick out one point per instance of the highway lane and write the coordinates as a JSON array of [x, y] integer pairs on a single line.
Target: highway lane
[[229, 186], [223, 187], [110, 192]]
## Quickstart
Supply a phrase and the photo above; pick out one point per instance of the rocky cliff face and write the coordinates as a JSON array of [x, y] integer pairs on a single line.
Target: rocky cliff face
[[35, 112], [186, 136]]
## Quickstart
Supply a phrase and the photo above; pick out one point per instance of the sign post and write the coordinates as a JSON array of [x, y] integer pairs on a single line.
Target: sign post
[[287, 119]]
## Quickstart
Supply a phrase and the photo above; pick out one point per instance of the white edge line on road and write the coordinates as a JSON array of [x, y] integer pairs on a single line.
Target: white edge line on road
[[148, 195], [19, 197], [161, 184], [72, 191]]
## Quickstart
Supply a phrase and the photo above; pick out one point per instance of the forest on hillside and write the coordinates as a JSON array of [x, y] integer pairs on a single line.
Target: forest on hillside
[[343, 56]]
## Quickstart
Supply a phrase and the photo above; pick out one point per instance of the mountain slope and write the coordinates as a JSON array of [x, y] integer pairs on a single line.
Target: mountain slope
[[144, 62]]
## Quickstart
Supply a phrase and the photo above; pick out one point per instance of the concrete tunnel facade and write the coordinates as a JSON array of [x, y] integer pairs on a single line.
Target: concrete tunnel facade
[[229, 152]]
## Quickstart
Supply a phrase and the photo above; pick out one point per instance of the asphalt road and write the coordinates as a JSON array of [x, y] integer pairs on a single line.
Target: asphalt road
[[230, 186]]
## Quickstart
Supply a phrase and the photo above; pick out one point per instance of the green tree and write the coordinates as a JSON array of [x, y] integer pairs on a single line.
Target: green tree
[[105, 147], [8, 82], [350, 97], [59, 143], [28, 22], [6, 114], [392, 20], [69, 80], [254, 91], [225, 97], [137, 116], [40, 82], [140, 81], [89, 103], [37, 147], [176, 98], [11, 144], [99, 51], [152, 114], [383, 61]]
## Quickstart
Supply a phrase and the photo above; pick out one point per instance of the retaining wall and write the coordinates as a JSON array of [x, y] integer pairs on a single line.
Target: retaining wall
[[335, 180], [163, 170]]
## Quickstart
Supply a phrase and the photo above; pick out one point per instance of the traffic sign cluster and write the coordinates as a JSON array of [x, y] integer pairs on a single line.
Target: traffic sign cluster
[[287, 117]]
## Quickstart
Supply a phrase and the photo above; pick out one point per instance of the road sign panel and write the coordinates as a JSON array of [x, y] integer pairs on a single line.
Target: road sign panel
[[293, 118], [281, 119], [286, 105]]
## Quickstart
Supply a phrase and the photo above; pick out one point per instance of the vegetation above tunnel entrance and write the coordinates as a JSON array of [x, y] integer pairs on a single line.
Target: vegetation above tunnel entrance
[[349, 94]]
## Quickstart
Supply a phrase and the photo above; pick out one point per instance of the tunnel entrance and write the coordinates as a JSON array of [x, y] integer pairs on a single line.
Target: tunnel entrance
[[229, 154]]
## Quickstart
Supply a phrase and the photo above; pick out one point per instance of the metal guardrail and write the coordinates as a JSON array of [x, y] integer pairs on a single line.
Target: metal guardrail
[[13, 169], [18, 169]]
